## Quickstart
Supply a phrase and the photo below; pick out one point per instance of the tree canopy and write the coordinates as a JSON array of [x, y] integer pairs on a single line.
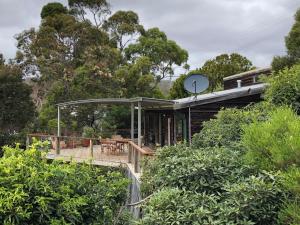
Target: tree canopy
[[81, 48], [292, 43], [162, 52], [52, 9], [222, 66]]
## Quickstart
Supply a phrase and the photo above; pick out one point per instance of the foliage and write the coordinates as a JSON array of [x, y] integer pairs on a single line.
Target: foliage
[[226, 129], [208, 186], [274, 144], [256, 199], [121, 25], [284, 88], [89, 132], [16, 107], [292, 43], [162, 52], [52, 9], [35, 191], [177, 90], [171, 206], [224, 65], [136, 80], [290, 213], [99, 9], [69, 53]]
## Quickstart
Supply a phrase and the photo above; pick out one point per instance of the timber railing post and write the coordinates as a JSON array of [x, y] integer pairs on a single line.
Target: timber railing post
[[27, 141], [91, 148], [57, 145], [129, 152], [137, 161]]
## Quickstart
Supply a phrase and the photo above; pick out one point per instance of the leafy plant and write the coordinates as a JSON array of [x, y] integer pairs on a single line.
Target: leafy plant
[[284, 88], [36, 191], [274, 144], [226, 129]]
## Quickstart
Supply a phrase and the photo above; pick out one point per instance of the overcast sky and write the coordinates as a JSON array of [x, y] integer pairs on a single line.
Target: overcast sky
[[206, 28]]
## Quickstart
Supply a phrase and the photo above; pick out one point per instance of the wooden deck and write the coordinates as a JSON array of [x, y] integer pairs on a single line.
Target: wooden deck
[[84, 154], [111, 152]]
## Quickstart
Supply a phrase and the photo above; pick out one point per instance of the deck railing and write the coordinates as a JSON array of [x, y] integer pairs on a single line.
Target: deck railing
[[135, 153]]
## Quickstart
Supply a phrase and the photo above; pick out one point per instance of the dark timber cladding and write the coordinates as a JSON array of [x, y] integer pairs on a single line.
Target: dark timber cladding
[[246, 78], [170, 126], [202, 113]]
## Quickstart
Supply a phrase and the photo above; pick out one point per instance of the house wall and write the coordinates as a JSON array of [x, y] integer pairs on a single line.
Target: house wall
[[202, 113], [247, 80]]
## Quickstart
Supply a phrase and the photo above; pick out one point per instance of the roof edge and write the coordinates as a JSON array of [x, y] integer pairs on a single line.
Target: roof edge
[[250, 72]]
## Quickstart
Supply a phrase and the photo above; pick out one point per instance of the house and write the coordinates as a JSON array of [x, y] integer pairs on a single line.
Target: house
[[166, 122]]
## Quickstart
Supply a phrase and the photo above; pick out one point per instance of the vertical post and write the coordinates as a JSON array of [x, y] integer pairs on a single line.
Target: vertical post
[[139, 124], [174, 129], [27, 141], [132, 122], [169, 131], [129, 152], [58, 121], [190, 127], [57, 145], [136, 161], [159, 129], [91, 148]]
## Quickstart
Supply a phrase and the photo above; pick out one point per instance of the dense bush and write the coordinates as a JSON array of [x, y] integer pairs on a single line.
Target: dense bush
[[208, 186], [226, 129], [274, 144], [201, 170], [35, 191], [284, 88], [255, 200]]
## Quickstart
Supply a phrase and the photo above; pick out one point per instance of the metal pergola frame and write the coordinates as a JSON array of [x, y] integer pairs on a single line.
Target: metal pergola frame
[[133, 102]]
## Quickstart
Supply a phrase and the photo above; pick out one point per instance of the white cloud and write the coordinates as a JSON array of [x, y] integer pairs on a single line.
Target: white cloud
[[205, 28]]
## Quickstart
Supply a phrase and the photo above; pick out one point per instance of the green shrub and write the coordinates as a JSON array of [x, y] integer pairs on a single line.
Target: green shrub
[[274, 144], [284, 88], [201, 170], [257, 199], [35, 191], [290, 214], [226, 129], [173, 206]]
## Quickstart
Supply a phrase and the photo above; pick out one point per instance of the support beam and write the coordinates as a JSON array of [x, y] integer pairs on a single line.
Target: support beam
[[58, 122], [190, 127], [139, 124], [169, 131], [132, 121], [159, 129]]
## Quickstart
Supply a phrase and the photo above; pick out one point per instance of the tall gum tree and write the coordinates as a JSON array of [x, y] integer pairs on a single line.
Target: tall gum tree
[[163, 53]]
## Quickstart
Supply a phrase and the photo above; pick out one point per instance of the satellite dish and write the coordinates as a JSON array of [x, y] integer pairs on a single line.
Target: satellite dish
[[196, 83]]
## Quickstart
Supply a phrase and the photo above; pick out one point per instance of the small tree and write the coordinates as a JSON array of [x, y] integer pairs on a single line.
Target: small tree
[[284, 88]]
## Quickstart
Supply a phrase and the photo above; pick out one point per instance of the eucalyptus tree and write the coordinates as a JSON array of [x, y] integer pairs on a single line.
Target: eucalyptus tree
[[99, 9], [163, 53], [123, 27]]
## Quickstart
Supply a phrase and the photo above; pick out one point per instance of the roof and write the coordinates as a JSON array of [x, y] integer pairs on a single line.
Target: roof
[[153, 103], [219, 96], [146, 102], [251, 72]]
